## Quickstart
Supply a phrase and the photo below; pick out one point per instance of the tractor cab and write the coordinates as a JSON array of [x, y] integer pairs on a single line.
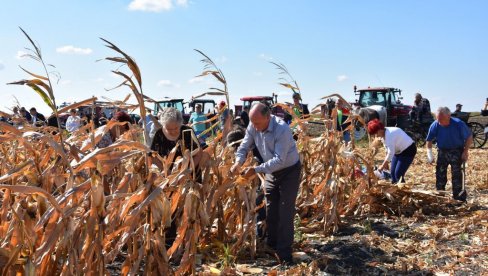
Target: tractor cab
[[208, 105], [268, 100], [169, 102], [390, 98]]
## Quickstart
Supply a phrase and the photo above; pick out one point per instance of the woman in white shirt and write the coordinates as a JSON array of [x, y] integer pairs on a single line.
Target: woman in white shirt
[[73, 122], [400, 149]]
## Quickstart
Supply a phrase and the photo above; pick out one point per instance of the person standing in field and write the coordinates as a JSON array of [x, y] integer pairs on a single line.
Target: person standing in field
[[37, 118], [26, 115], [195, 120], [245, 116], [400, 149], [225, 119], [281, 166], [115, 132], [73, 122], [342, 115], [299, 109], [453, 141], [173, 133]]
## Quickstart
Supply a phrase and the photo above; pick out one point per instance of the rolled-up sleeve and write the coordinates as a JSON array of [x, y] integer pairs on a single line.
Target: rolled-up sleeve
[[245, 146], [278, 161]]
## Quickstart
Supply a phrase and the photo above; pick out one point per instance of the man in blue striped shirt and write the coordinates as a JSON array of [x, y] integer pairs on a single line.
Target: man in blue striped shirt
[[274, 141]]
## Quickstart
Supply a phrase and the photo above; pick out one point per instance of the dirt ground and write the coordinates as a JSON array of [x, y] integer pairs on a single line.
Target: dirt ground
[[440, 238]]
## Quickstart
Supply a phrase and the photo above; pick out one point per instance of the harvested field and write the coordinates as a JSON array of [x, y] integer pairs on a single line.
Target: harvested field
[[68, 207]]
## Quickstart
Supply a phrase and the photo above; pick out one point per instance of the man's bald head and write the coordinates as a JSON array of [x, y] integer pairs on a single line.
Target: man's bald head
[[260, 115], [259, 109]]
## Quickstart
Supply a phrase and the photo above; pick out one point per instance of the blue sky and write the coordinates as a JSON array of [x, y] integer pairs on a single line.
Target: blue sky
[[437, 48]]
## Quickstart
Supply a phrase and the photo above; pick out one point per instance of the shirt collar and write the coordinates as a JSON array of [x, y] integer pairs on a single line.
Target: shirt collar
[[271, 124]]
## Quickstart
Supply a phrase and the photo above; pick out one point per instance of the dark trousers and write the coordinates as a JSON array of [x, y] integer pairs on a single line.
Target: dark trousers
[[401, 162], [281, 189], [451, 157], [261, 215]]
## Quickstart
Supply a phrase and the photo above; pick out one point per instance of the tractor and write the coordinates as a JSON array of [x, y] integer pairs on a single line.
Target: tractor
[[388, 97]]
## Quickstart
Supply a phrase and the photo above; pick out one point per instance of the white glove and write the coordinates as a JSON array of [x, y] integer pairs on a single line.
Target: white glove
[[430, 156], [379, 175]]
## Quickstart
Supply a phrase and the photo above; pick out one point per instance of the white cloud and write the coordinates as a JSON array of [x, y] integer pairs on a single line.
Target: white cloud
[[155, 5], [342, 78], [222, 59], [98, 80], [168, 83], [196, 80], [164, 83], [70, 49], [265, 57], [20, 55], [1, 65], [183, 3]]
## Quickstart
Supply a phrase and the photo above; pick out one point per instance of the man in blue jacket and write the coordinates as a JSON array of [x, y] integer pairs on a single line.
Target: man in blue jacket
[[453, 141]]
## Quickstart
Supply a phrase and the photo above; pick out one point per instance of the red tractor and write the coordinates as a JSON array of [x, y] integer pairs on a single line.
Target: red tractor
[[388, 97]]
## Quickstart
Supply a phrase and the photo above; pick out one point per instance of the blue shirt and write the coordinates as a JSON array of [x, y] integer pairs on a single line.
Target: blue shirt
[[275, 144], [451, 137], [198, 117]]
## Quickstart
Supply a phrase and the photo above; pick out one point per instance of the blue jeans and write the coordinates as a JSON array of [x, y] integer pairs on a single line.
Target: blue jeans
[[399, 166]]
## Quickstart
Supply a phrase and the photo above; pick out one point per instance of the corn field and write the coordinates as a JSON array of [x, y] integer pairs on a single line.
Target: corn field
[[70, 208]]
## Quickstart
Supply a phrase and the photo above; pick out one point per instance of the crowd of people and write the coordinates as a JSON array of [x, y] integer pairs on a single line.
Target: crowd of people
[[272, 143], [452, 136]]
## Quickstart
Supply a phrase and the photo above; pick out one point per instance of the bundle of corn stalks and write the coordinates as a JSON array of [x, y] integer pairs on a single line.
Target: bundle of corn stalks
[[68, 207]]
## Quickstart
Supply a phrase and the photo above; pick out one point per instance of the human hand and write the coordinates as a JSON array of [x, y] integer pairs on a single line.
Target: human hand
[[248, 172], [235, 169]]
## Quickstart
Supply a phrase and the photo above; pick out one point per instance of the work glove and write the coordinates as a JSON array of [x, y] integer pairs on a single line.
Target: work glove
[[430, 156]]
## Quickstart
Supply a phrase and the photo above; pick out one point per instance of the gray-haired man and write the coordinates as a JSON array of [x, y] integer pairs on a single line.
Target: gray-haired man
[[453, 141], [274, 141]]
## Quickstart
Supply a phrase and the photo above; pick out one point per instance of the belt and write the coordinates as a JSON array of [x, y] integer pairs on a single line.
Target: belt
[[297, 164]]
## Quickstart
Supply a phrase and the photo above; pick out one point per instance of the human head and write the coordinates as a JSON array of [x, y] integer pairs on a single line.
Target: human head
[[260, 116], [444, 115], [33, 111], [15, 110], [376, 128], [459, 107], [72, 112], [121, 116], [23, 110], [221, 104], [296, 98], [198, 108], [418, 97], [340, 103], [171, 121]]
